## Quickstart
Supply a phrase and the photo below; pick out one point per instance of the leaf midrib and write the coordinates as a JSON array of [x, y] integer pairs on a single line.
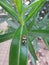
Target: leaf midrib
[[20, 43]]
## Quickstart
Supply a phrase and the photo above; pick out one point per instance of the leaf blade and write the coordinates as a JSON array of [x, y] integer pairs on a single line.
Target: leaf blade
[[31, 5], [6, 36], [18, 5], [10, 10], [41, 31], [17, 54], [46, 42], [31, 49], [33, 12]]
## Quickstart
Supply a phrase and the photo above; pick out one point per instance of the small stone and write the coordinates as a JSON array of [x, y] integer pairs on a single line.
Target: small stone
[[42, 11]]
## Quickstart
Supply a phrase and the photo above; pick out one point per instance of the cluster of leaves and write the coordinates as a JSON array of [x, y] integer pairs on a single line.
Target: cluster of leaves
[[28, 29]]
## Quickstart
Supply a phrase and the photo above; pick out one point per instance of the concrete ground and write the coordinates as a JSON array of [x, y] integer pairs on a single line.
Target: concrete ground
[[4, 52]]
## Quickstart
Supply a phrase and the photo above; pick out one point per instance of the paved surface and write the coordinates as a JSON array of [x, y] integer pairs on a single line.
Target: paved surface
[[42, 54], [4, 52]]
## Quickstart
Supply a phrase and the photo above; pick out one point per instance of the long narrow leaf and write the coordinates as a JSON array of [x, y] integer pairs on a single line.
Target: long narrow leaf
[[18, 51], [6, 36], [32, 22], [31, 49], [46, 42], [33, 12], [33, 4], [41, 31], [9, 9], [18, 5]]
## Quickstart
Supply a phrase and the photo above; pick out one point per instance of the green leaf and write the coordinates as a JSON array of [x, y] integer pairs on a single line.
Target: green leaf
[[18, 4], [32, 5], [42, 24], [35, 44], [40, 31], [46, 42], [18, 51], [44, 34], [6, 36], [9, 9], [31, 23], [31, 49], [33, 12]]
